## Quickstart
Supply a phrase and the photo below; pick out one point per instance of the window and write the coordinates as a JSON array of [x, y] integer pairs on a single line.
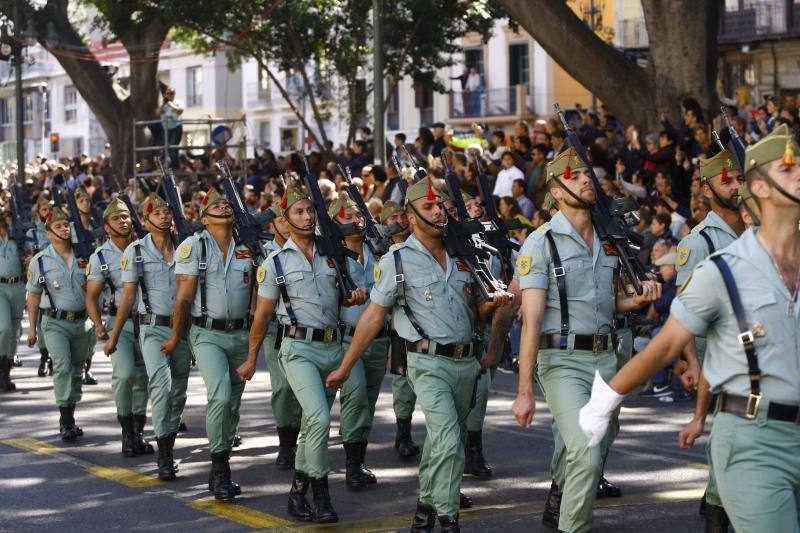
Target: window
[[731, 5], [27, 117], [194, 83], [264, 134], [423, 96], [473, 57], [70, 103], [518, 65], [393, 111], [5, 112], [264, 88]]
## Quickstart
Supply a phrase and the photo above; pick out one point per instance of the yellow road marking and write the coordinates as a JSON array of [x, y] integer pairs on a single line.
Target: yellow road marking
[[32, 445], [239, 514], [126, 477]]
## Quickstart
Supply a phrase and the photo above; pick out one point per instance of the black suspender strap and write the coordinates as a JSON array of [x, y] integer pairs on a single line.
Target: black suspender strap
[[561, 281], [107, 277], [280, 280], [746, 337], [710, 244], [202, 267], [43, 282], [399, 278], [139, 261]]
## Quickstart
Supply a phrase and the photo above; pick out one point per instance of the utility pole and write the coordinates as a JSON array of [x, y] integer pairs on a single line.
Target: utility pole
[[19, 104], [377, 81], [591, 19]]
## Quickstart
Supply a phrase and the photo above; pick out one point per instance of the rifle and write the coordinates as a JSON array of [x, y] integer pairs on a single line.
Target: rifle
[[463, 239], [419, 172], [612, 220], [138, 229], [330, 236], [19, 227], [84, 247], [375, 235], [737, 143], [184, 227], [401, 183], [247, 226]]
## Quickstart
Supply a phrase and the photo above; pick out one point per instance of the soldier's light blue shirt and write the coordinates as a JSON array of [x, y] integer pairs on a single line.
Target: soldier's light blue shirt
[[159, 276], [66, 284], [36, 240], [311, 287], [591, 296], [704, 308], [228, 278], [95, 271], [441, 299], [10, 266], [364, 278], [693, 248]]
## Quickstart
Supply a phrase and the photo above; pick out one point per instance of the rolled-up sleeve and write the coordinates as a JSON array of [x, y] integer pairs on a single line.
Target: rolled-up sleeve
[[698, 302]]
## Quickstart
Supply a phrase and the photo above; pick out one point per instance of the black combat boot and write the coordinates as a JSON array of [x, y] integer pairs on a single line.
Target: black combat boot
[[716, 519], [403, 442], [449, 525], [353, 476], [237, 440], [298, 504], [140, 445], [287, 440], [128, 442], [323, 510], [369, 477], [166, 468], [464, 501], [424, 518], [78, 429], [88, 378], [6, 385], [67, 425], [475, 464], [182, 427], [237, 489], [44, 359], [605, 489], [552, 507], [221, 477]]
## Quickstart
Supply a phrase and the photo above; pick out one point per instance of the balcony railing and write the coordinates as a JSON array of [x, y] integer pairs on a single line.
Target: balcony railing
[[633, 33], [765, 19], [497, 102]]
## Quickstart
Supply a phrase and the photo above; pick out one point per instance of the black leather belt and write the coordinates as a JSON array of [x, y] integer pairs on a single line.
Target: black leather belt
[[457, 350], [747, 407], [349, 331], [327, 335], [11, 279], [220, 324], [593, 343], [70, 316], [146, 319]]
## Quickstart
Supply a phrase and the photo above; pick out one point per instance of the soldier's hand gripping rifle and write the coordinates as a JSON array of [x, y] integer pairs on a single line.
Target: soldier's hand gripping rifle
[[138, 229], [612, 220], [737, 143], [375, 235], [463, 238], [247, 230], [330, 236], [173, 196]]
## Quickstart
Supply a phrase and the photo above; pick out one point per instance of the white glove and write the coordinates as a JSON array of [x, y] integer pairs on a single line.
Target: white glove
[[595, 415]]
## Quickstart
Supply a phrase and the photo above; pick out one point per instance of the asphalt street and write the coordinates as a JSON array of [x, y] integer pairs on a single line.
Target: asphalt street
[[49, 486]]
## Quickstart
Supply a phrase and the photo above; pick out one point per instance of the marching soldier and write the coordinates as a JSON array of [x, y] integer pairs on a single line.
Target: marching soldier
[[210, 264], [57, 273], [84, 203], [148, 281], [569, 299], [35, 241], [285, 407], [403, 397], [430, 295], [745, 299], [128, 374], [12, 302], [310, 348], [360, 392]]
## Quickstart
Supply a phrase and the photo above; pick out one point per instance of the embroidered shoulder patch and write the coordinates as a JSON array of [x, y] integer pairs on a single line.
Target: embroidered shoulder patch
[[30, 275], [524, 264], [377, 273], [88, 268], [683, 255], [185, 251], [261, 274], [123, 263]]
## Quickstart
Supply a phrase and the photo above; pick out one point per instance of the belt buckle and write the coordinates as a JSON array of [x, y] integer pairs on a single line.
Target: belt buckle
[[597, 343], [458, 350], [328, 336], [751, 409], [229, 325], [70, 316]]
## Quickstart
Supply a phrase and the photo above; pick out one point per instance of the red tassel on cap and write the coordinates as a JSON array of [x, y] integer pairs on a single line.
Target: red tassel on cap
[[725, 178], [431, 195], [342, 214], [567, 172], [149, 207], [284, 202], [50, 217]]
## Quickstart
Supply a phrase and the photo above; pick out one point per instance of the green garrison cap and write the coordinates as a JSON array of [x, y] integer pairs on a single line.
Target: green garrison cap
[[277, 210], [56, 216], [115, 206], [549, 202], [152, 203], [80, 191], [465, 196], [291, 197], [424, 189], [722, 163], [568, 159], [777, 145], [744, 193], [338, 206], [389, 208], [212, 196]]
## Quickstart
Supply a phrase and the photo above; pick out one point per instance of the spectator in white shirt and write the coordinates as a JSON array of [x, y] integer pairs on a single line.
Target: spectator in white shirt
[[509, 173]]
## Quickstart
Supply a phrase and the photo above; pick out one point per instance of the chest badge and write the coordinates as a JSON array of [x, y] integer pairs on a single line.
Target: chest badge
[[428, 295], [758, 330], [683, 255], [610, 249], [56, 285]]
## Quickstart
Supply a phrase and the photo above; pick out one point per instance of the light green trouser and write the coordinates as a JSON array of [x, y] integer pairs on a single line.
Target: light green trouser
[[40, 334], [128, 373], [567, 376], [168, 377], [478, 413], [219, 354], [12, 305], [558, 463], [68, 343], [285, 407], [712, 493], [360, 392], [445, 388], [306, 365], [403, 397], [757, 469]]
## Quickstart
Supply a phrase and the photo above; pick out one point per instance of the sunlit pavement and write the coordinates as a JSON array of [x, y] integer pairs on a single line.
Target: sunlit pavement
[[89, 486]]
